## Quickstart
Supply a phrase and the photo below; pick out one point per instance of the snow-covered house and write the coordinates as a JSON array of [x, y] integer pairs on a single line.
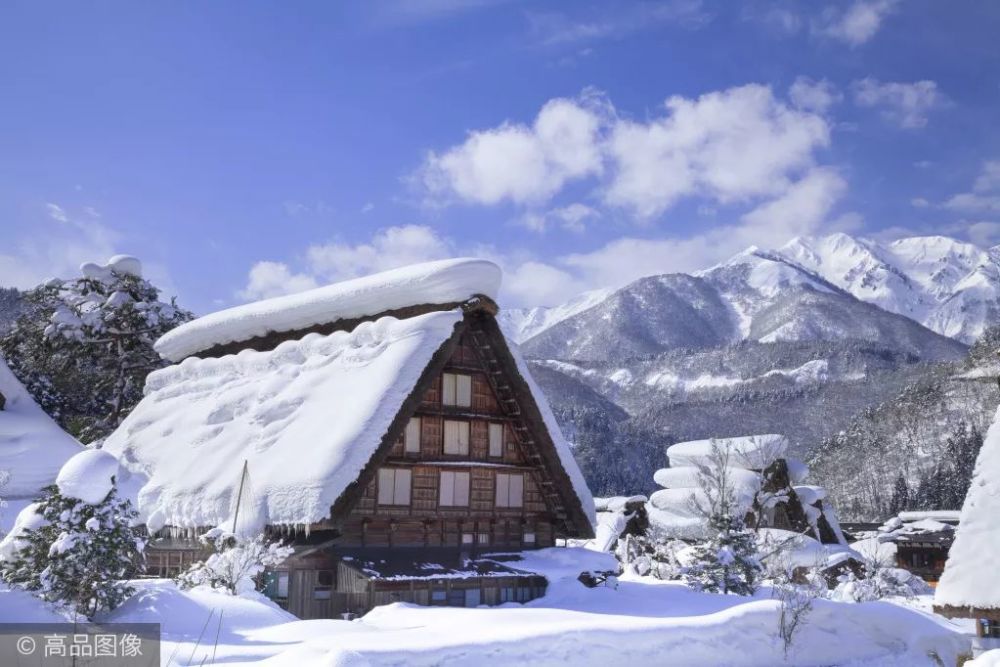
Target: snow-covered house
[[384, 422], [970, 585], [32, 448]]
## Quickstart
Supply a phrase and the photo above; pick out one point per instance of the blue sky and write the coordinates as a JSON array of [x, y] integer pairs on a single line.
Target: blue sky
[[245, 149]]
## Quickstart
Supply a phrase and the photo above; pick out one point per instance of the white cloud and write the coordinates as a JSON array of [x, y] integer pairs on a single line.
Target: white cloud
[[919, 202], [557, 29], [368, 207], [56, 212], [571, 218], [268, 279], [985, 194], [389, 248], [984, 234], [906, 104], [811, 95], [516, 162], [858, 23], [729, 146], [537, 283]]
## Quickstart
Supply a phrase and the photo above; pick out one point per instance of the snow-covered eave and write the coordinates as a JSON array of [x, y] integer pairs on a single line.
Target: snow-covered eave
[[444, 283], [956, 611]]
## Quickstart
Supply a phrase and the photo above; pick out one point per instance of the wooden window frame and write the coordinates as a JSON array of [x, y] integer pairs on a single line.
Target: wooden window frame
[[464, 427], [455, 498], [495, 453], [396, 474], [502, 495], [456, 390], [411, 439]]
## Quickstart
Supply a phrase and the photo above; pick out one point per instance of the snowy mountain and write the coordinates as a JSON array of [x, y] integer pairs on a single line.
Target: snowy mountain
[[520, 324], [755, 296], [949, 286]]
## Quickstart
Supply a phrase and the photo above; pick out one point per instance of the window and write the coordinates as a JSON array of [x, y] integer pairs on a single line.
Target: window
[[456, 597], [466, 538], [411, 438], [456, 390], [393, 486], [276, 585], [439, 595], [507, 594], [510, 490], [496, 439], [456, 437], [454, 490], [528, 538], [484, 538]]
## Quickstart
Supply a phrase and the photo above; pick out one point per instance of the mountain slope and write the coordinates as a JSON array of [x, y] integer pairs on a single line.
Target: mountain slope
[[951, 287], [757, 296]]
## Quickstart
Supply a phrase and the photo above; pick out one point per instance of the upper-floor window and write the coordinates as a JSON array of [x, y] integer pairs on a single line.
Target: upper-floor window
[[411, 438], [456, 389], [510, 490], [454, 490], [456, 437], [393, 486], [496, 439]]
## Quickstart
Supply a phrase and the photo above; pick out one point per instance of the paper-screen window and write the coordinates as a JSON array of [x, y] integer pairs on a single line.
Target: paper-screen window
[[496, 440], [510, 490], [411, 438], [456, 437], [456, 389], [393, 486], [454, 489]]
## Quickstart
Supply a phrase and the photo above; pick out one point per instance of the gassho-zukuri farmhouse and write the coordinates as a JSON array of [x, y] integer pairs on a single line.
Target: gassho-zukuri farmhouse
[[384, 426]]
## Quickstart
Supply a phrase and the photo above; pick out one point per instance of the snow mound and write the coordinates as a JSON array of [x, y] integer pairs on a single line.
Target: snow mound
[[328, 400], [123, 264], [443, 282], [32, 446], [752, 452], [20, 606], [88, 476], [971, 578], [27, 519]]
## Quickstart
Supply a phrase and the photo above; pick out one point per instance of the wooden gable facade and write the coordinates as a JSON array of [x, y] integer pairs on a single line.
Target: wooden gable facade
[[468, 467]]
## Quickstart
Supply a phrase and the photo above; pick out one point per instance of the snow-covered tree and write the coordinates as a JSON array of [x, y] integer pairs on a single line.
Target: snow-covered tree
[[727, 562], [235, 564], [83, 347], [80, 546]]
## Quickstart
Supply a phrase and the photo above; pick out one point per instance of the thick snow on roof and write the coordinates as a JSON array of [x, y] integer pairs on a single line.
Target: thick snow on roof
[[32, 446], [944, 516], [306, 416], [753, 452], [971, 577], [442, 282]]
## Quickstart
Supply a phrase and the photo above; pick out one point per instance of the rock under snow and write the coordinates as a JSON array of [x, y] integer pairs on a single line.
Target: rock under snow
[[27, 519], [442, 282], [88, 476]]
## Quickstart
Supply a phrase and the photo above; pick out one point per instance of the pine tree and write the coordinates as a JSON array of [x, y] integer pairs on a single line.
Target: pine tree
[[727, 562], [84, 346], [81, 553], [900, 496]]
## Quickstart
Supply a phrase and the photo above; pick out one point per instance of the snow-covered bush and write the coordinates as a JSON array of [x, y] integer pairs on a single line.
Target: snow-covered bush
[[727, 562], [649, 556], [878, 583], [235, 562], [77, 545]]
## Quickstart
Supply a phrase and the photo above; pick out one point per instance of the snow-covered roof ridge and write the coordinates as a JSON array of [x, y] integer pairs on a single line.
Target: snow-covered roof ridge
[[971, 579], [753, 452], [443, 282], [325, 399], [32, 446]]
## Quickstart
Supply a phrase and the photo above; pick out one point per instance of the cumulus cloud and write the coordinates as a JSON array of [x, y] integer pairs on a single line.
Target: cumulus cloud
[[267, 279], [905, 104], [729, 146], [856, 24], [518, 163], [811, 95]]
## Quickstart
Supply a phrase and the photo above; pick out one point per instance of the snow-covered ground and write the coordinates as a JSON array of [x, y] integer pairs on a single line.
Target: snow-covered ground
[[641, 621]]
